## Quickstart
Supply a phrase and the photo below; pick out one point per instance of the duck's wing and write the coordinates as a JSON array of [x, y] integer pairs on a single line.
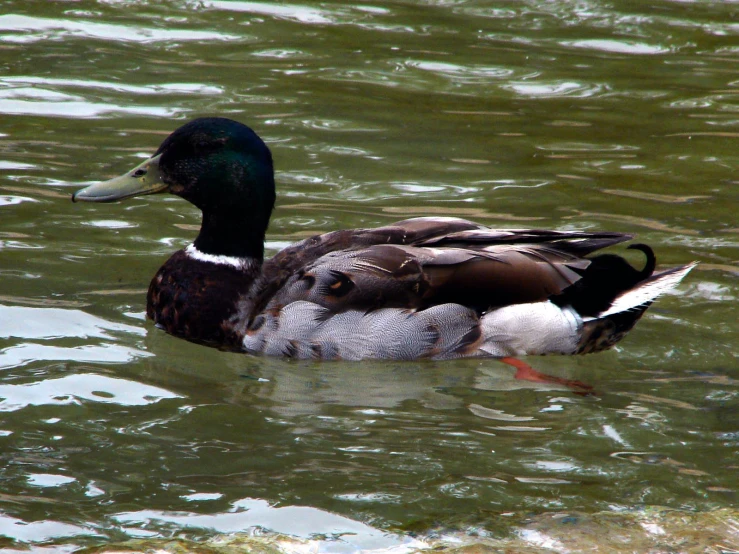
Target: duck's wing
[[422, 262]]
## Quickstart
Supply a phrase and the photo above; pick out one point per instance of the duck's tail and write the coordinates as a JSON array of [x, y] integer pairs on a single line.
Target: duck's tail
[[609, 326]]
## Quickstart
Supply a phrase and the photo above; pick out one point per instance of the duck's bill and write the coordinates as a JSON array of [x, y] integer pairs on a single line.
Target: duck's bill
[[142, 179]]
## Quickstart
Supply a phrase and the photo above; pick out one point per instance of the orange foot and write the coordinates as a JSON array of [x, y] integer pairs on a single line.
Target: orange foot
[[527, 373]]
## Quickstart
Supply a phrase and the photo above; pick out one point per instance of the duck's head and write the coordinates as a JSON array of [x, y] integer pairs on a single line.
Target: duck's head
[[219, 165]]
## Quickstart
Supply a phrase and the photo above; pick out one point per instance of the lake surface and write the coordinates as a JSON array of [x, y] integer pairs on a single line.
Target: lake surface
[[568, 115]]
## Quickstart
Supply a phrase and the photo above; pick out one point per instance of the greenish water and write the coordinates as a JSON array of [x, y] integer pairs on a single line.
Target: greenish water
[[571, 115]]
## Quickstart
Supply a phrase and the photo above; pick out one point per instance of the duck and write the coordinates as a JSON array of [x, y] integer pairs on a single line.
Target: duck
[[420, 288]]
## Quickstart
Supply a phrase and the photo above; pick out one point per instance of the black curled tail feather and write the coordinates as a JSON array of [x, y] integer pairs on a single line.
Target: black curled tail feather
[[607, 276], [651, 264]]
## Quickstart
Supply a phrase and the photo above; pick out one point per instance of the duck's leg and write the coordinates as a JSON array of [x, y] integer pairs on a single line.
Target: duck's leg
[[527, 373]]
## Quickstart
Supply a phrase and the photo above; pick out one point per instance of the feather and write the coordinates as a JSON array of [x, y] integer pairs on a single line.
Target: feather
[[647, 291]]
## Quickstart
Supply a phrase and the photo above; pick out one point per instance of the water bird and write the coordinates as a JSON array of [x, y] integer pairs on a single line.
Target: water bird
[[426, 287]]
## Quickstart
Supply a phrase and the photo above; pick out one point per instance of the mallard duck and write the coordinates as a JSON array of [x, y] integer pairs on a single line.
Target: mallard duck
[[427, 287]]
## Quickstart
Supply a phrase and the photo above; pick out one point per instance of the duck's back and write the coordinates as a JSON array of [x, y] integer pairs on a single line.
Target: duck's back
[[432, 288]]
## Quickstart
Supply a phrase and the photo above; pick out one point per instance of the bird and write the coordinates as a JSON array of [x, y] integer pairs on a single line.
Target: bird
[[420, 288]]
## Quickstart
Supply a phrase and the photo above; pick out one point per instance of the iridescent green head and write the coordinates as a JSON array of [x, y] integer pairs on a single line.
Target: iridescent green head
[[219, 165]]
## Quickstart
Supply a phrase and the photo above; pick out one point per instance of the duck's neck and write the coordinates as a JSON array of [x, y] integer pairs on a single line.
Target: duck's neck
[[231, 237]]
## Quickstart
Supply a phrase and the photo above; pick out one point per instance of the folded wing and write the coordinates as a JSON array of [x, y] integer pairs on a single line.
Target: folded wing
[[421, 262]]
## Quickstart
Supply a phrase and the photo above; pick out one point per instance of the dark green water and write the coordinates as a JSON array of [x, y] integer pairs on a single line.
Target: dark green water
[[571, 115]]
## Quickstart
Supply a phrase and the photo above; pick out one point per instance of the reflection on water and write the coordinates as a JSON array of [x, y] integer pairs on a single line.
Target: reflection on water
[[75, 388], [292, 12], [22, 354], [38, 531], [25, 29], [35, 323], [615, 46], [560, 115], [300, 521]]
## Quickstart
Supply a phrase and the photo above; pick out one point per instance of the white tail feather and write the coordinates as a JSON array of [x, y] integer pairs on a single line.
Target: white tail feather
[[647, 291]]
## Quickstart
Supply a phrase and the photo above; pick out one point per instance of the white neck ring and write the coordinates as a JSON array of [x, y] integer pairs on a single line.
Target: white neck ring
[[242, 264]]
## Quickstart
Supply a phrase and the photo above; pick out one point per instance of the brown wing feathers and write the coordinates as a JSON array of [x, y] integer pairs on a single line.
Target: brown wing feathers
[[511, 276], [421, 262]]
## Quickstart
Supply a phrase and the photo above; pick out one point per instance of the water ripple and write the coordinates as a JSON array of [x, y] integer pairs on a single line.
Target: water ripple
[[461, 73], [541, 89], [294, 12], [616, 46], [73, 388], [23, 354], [48, 480], [50, 323], [14, 200], [42, 102], [38, 531], [164, 88], [302, 521], [32, 29]]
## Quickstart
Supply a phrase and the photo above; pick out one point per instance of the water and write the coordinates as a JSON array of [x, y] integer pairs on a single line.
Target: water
[[569, 115]]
